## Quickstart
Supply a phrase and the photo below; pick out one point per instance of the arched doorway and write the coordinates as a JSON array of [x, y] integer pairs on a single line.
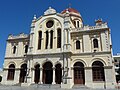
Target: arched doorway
[[37, 74], [23, 72], [98, 71], [79, 76], [47, 73], [11, 72], [58, 74]]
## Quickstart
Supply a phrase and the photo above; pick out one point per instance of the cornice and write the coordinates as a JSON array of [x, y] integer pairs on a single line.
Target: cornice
[[59, 54], [108, 67], [22, 57], [91, 53], [83, 30], [19, 39]]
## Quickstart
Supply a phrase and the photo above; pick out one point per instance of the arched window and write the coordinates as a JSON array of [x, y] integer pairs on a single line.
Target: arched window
[[47, 38], [11, 72], [51, 39], [77, 44], [39, 39], [59, 38], [26, 48], [14, 49], [95, 43], [74, 23], [98, 71], [78, 24]]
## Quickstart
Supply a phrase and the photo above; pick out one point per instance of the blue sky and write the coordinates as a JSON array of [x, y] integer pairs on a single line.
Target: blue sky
[[16, 16]]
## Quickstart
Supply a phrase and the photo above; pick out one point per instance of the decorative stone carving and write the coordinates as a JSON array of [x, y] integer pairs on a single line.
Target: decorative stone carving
[[14, 43], [21, 35], [50, 11], [25, 43]]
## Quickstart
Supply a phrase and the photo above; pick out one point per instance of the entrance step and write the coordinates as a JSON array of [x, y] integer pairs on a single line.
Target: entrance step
[[25, 84], [79, 86], [43, 86], [17, 84]]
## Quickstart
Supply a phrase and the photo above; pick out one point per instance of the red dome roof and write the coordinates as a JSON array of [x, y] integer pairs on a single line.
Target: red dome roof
[[70, 10]]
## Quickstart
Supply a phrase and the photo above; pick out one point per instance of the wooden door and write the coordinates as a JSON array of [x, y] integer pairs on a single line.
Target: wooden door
[[78, 76]]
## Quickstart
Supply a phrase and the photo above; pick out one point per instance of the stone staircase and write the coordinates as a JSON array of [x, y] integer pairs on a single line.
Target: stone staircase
[[80, 87], [46, 87], [57, 87]]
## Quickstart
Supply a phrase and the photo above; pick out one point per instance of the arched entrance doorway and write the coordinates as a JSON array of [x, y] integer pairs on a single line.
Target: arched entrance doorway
[[98, 71], [79, 76], [47, 73], [11, 72], [23, 72], [37, 74], [58, 74]]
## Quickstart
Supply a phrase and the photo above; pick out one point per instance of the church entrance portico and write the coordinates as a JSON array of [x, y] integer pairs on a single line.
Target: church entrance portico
[[47, 73]]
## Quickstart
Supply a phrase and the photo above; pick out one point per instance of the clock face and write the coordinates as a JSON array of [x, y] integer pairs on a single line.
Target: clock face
[[49, 24]]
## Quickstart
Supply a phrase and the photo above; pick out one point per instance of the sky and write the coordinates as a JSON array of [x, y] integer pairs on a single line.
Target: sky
[[16, 16]]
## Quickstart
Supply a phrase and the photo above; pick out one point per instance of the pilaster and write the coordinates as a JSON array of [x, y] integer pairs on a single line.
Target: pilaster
[[17, 75], [33, 75], [88, 76], [29, 74], [109, 78]]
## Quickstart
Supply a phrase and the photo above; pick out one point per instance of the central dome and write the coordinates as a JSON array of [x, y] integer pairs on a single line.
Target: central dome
[[71, 11]]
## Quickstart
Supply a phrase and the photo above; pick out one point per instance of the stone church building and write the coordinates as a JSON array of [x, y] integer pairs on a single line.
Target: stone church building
[[60, 49]]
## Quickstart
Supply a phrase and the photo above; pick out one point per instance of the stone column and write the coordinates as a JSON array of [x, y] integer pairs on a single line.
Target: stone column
[[29, 65], [17, 75], [69, 80], [54, 43], [72, 74], [53, 75], [69, 39], [49, 39], [33, 75], [31, 38], [67, 77], [65, 69], [41, 75], [28, 72], [88, 76], [75, 23], [64, 45]]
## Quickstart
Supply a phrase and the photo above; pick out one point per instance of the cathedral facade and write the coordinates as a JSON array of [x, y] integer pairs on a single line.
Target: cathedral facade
[[60, 49]]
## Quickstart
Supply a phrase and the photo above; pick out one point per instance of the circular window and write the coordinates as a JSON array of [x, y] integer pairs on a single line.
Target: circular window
[[49, 24]]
